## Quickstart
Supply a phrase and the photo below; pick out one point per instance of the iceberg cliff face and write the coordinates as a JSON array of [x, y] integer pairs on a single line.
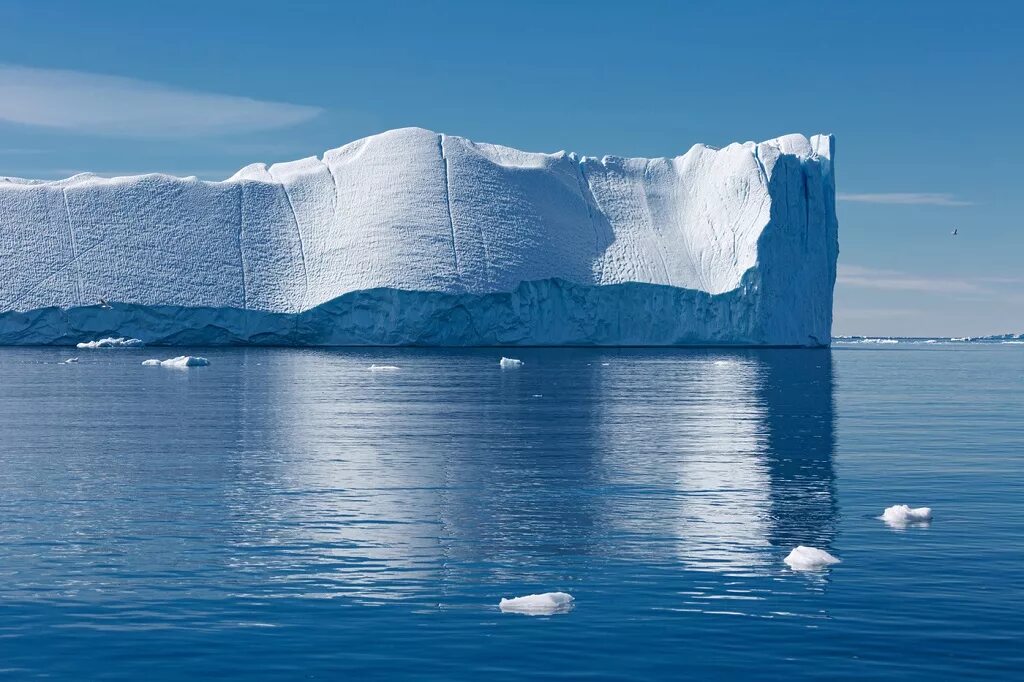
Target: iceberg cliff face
[[412, 237]]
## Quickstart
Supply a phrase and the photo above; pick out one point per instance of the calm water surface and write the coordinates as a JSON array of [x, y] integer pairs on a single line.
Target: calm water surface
[[289, 514]]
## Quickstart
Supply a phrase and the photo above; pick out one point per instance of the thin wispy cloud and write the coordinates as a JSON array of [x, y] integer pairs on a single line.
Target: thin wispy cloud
[[891, 280], [904, 199], [112, 105]]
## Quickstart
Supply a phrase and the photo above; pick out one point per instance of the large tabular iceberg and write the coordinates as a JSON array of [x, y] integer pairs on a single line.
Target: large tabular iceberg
[[413, 237]]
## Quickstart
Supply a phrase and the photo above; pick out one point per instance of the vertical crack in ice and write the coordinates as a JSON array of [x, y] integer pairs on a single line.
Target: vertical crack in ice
[[74, 247], [654, 233], [448, 202], [302, 246], [760, 166], [334, 179], [581, 179], [241, 252]]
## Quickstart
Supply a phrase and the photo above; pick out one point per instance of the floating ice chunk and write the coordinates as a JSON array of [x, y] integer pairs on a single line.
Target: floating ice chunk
[[508, 363], [902, 515], [185, 361], [70, 361], [180, 362], [538, 604], [112, 343], [809, 559], [382, 368]]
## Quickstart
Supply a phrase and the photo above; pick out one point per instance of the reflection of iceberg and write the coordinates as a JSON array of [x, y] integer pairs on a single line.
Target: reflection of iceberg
[[453, 474], [449, 482], [745, 455]]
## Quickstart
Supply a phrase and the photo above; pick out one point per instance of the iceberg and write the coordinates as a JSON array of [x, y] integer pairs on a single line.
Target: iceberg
[[180, 362], [111, 342], [809, 559], [901, 515], [510, 363], [412, 237], [545, 604]]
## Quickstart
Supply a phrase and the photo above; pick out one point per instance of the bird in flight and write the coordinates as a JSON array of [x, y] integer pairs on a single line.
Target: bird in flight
[[104, 304], [954, 231]]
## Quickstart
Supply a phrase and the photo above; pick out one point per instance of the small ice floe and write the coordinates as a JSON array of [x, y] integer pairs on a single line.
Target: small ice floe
[[901, 515], [545, 604], [180, 362], [70, 361], [509, 363], [112, 343], [809, 559], [383, 368]]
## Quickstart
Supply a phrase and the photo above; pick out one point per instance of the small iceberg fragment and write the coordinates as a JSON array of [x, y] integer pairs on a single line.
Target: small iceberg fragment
[[180, 362], [545, 604], [509, 363], [382, 368], [809, 559], [902, 515], [70, 361], [112, 343]]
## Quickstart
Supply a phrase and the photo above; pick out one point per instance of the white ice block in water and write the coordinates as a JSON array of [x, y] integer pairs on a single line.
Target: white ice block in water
[[180, 362], [509, 363], [382, 368], [70, 361], [544, 604], [112, 343], [904, 515], [809, 559]]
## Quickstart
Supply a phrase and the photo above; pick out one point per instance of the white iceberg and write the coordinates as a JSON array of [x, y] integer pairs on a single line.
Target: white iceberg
[[544, 604], [900, 515], [70, 361], [112, 343], [809, 559], [509, 363], [383, 368], [413, 237], [180, 362]]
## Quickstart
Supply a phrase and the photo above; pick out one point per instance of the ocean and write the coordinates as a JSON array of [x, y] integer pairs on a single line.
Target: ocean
[[293, 514]]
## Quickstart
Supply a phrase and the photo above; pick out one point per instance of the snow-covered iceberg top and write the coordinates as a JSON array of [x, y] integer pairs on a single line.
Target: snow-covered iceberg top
[[430, 214]]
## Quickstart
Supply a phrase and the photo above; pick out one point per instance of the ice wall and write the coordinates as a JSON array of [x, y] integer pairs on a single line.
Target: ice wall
[[733, 245]]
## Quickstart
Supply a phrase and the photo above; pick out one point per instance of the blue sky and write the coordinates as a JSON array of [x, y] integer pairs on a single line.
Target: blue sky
[[925, 99]]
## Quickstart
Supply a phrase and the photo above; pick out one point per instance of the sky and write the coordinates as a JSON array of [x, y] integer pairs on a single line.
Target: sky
[[926, 100]]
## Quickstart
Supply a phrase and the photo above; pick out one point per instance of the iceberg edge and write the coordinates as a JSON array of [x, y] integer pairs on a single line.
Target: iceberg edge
[[543, 313]]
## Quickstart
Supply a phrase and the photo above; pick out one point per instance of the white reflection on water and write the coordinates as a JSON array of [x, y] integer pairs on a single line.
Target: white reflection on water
[[390, 482], [286, 473]]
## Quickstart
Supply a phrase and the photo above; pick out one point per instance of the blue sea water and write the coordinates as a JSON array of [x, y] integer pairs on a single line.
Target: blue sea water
[[289, 514]]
